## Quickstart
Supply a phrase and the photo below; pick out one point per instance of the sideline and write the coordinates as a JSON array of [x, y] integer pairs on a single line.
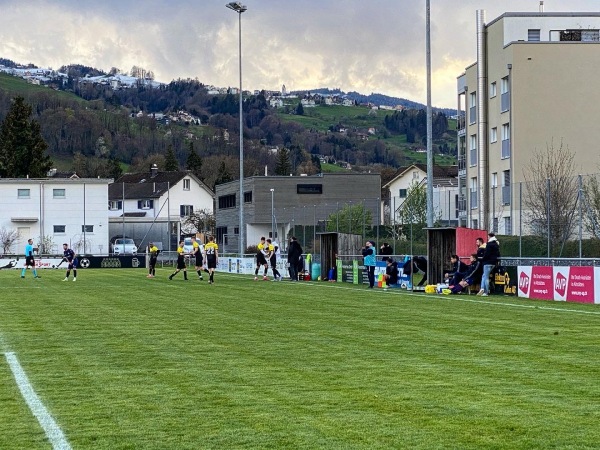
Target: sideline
[[455, 298], [53, 432]]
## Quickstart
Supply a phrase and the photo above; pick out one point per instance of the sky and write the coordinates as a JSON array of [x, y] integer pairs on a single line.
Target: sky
[[355, 45]]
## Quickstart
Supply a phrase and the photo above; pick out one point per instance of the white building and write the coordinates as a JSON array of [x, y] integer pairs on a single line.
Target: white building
[[144, 206], [445, 191], [53, 211]]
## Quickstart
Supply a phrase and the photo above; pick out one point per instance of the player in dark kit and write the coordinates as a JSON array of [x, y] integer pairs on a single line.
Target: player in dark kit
[[212, 257], [70, 257], [180, 262]]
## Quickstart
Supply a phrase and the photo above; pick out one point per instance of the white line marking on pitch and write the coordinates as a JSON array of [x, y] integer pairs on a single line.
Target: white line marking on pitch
[[53, 432]]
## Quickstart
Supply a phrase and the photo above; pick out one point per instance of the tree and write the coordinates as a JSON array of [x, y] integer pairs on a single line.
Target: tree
[[193, 162], [284, 165], [591, 204], [223, 175], [411, 215], [171, 164], [300, 109], [350, 219], [202, 221], [22, 148], [8, 238], [551, 192]]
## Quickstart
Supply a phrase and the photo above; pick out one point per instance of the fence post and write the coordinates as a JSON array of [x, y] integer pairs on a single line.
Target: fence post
[[548, 213]]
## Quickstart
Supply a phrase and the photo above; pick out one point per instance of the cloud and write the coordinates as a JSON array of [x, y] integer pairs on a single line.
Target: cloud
[[373, 46]]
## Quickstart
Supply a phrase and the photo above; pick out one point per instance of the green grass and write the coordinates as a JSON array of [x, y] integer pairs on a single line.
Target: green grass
[[125, 362], [18, 85]]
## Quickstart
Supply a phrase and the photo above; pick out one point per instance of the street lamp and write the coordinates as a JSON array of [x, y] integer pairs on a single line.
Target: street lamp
[[272, 214], [239, 8]]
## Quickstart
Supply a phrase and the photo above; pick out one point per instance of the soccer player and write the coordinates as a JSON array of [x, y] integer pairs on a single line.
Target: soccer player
[[260, 259], [197, 252], [29, 260], [180, 262], [273, 253], [212, 258], [154, 251], [70, 257]]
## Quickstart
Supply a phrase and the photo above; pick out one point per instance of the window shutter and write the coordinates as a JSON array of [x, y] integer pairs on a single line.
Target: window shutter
[[182, 210], [139, 204], [151, 204]]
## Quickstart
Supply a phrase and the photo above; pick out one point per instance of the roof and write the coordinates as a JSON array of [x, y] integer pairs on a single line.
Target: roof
[[438, 172], [145, 186]]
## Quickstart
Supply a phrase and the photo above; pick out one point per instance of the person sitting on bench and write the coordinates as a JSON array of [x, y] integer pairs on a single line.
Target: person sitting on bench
[[472, 276], [456, 272]]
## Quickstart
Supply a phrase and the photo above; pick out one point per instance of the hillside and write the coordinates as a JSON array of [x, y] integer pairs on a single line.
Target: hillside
[[95, 130]]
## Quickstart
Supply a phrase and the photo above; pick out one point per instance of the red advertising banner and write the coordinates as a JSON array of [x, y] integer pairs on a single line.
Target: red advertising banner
[[572, 284]]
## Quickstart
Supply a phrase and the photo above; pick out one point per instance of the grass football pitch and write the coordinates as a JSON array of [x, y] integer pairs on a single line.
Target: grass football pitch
[[120, 361]]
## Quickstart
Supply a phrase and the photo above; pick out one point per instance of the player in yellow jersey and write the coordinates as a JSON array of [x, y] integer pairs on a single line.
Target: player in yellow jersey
[[211, 250], [153, 251], [180, 262], [260, 258], [197, 253]]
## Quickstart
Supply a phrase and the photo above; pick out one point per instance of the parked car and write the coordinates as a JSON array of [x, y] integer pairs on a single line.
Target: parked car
[[124, 246], [188, 245]]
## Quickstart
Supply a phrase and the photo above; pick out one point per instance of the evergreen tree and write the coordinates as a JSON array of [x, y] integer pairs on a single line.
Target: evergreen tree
[[171, 164], [193, 162], [223, 175], [114, 168], [284, 166], [300, 109], [22, 147]]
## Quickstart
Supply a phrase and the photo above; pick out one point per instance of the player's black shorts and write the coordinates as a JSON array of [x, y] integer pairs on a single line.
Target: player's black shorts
[[181, 263], [199, 260], [73, 264], [260, 259], [211, 262], [153, 260], [29, 261]]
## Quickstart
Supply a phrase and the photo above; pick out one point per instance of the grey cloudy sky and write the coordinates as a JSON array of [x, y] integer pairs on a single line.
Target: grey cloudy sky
[[366, 46]]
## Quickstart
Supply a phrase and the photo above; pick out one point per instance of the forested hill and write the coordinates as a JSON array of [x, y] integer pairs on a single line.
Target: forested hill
[[89, 125]]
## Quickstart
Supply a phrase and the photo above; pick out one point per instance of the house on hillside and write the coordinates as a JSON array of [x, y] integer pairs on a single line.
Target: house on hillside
[[152, 206], [445, 192], [53, 211]]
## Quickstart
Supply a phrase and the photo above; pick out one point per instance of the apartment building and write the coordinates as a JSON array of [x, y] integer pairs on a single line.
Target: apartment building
[[533, 85]]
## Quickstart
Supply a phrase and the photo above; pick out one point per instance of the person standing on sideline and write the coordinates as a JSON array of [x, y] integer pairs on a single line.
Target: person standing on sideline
[[260, 259], [29, 260], [72, 261], [197, 252], [273, 249], [154, 251], [385, 251], [294, 257], [180, 262], [491, 256], [370, 255], [212, 258]]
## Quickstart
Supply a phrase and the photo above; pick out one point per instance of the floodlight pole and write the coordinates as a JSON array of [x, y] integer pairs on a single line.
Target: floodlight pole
[[239, 8], [429, 120]]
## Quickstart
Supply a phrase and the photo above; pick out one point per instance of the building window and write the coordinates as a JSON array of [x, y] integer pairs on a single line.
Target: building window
[[505, 141], [504, 95], [507, 226], [227, 201], [248, 197], [473, 193], [494, 134], [186, 184], [506, 187], [472, 108], [115, 205], [495, 179], [473, 150], [221, 233], [60, 229], [495, 224], [402, 193], [59, 193], [236, 230], [580, 35], [533, 35], [23, 193], [87, 228], [309, 189], [186, 210], [145, 204], [415, 175], [492, 89]]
